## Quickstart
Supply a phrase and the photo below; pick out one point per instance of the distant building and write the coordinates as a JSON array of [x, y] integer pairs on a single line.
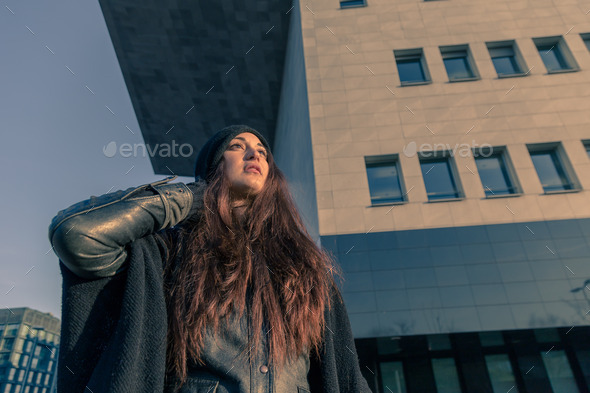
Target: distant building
[[440, 150], [29, 346]]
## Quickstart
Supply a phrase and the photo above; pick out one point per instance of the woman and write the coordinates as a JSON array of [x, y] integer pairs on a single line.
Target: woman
[[212, 286]]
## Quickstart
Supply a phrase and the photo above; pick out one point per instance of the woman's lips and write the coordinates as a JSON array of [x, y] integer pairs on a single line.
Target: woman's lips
[[253, 169]]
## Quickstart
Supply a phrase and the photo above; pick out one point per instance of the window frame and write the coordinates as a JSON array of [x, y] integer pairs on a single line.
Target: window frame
[[510, 172], [437, 156], [409, 54], [449, 51], [560, 44], [383, 160], [558, 155], [516, 55]]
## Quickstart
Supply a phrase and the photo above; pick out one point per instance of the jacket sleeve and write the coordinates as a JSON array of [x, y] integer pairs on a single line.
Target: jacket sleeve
[[91, 237]]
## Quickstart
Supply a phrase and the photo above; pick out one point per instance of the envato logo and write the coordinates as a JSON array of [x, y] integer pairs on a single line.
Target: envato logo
[[427, 150], [164, 150]]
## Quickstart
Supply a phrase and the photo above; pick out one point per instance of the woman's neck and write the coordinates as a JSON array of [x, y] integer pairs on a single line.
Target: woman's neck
[[238, 208]]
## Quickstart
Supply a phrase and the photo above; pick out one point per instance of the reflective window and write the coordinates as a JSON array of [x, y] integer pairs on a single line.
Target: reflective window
[[586, 39], [546, 335], [388, 345], [445, 376], [438, 178], [555, 54], [550, 170], [587, 146], [392, 374], [439, 342], [505, 59], [458, 63], [352, 3], [559, 372], [491, 339], [501, 374], [384, 179], [494, 174], [411, 66]]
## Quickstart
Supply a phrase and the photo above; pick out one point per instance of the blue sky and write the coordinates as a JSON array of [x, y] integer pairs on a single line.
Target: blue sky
[[62, 100]]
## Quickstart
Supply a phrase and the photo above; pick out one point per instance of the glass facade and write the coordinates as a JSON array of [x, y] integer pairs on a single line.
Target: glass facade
[[28, 362], [473, 363], [458, 308]]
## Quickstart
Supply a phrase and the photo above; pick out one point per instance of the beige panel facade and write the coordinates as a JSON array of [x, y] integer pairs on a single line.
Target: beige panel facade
[[359, 108]]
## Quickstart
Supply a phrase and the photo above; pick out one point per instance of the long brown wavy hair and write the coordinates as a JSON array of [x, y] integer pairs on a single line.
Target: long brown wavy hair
[[219, 255]]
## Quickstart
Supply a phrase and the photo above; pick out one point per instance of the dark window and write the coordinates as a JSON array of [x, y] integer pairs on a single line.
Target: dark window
[[494, 174], [559, 371], [438, 178], [352, 3], [458, 63], [505, 59], [411, 66], [501, 374], [555, 54], [587, 146], [550, 170], [384, 179], [445, 375], [586, 39], [392, 377]]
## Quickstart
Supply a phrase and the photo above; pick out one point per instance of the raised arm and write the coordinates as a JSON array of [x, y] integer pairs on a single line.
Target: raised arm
[[90, 237]]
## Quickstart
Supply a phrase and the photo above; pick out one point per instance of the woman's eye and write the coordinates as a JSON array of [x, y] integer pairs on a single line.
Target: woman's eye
[[263, 152], [236, 144]]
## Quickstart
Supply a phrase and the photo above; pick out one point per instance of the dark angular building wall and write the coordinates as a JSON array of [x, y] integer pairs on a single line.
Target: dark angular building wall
[[192, 68]]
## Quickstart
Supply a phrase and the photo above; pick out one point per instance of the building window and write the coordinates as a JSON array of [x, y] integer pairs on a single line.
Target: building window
[[445, 375], [495, 172], [385, 180], [587, 147], [352, 3], [458, 63], [392, 374], [555, 54], [439, 177], [559, 371], [552, 168], [506, 58], [501, 374], [586, 39], [411, 66]]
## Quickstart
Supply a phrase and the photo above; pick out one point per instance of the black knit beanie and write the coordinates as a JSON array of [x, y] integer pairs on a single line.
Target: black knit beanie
[[212, 151]]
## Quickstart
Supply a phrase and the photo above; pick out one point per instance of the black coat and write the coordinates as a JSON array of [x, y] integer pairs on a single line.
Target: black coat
[[114, 332]]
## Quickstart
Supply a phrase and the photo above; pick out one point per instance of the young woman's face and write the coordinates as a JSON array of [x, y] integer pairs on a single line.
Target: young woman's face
[[246, 166]]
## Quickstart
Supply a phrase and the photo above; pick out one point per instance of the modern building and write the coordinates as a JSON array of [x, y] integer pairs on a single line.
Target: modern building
[[439, 149], [29, 347]]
